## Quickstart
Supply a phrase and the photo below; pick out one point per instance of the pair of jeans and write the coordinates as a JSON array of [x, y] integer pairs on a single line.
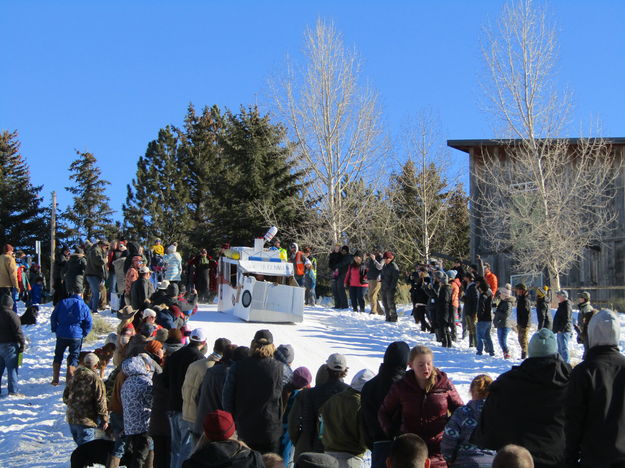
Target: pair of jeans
[[74, 345], [484, 340], [94, 286], [117, 426], [357, 297], [502, 337], [82, 434], [8, 361], [181, 438], [563, 345]]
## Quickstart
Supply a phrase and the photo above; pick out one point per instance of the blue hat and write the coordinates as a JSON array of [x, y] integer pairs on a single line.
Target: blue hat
[[542, 344]]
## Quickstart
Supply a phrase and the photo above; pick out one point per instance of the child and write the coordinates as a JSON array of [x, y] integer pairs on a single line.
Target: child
[[310, 283], [36, 292]]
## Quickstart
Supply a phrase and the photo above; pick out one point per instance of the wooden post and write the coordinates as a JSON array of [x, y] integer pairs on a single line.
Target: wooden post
[[52, 239]]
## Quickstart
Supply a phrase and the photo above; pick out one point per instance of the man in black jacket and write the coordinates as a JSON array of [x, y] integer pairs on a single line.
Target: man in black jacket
[[595, 403], [523, 309], [419, 280], [141, 290], [373, 393], [390, 276], [343, 265], [563, 324], [173, 377], [11, 341], [469, 310], [333, 264], [526, 405]]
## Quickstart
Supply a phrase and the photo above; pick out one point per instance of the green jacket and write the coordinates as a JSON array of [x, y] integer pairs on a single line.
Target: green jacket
[[340, 426], [85, 397]]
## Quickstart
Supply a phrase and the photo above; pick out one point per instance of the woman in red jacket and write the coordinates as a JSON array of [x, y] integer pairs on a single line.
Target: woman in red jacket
[[356, 281], [420, 403]]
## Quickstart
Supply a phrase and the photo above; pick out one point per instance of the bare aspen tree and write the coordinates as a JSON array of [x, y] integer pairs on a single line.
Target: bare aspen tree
[[335, 124], [542, 199]]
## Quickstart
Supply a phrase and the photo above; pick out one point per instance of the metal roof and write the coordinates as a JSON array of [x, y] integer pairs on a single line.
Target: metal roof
[[466, 145]]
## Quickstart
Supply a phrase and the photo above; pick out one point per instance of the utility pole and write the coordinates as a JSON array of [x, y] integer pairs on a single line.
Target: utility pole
[[52, 238]]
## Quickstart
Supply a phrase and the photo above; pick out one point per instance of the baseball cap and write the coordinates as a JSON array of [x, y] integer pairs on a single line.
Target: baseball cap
[[144, 270], [337, 362], [263, 337], [148, 313], [198, 335]]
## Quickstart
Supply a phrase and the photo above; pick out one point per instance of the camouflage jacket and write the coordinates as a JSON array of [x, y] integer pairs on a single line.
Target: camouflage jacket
[[85, 397]]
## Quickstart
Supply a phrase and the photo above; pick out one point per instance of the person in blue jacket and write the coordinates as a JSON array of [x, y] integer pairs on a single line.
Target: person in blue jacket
[[71, 322]]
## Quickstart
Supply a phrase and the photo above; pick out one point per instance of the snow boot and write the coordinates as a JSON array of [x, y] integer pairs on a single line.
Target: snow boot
[[113, 462], [56, 372], [69, 374]]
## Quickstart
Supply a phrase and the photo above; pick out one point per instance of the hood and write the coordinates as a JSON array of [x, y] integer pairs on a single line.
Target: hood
[[6, 302], [135, 366], [285, 354], [396, 355], [223, 454], [604, 329], [549, 371]]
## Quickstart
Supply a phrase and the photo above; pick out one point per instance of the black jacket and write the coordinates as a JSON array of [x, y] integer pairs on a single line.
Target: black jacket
[[470, 299], [209, 396], [10, 325], [160, 296], [526, 407], [224, 454], [140, 292], [390, 275], [375, 390], [256, 399], [58, 275], [595, 410], [484, 306], [374, 268], [175, 370], [563, 319], [75, 274], [417, 292], [523, 308], [334, 260]]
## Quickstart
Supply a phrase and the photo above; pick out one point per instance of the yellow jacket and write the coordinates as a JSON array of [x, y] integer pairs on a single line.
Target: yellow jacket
[[158, 249], [8, 271]]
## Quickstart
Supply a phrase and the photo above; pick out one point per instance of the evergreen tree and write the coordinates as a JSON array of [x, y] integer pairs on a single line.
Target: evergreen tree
[[90, 213], [20, 203], [458, 223]]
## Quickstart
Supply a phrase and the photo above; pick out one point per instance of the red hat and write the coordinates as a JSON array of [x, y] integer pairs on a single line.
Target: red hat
[[388, 254], [218, 425]]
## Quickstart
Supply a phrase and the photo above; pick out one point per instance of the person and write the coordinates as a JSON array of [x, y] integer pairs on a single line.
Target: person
[[219, 446], [586, 312], [71, 322], [456, 445], [158, 247], [334, 260], [285, 354], [342, 434], [310, 283], [390, 276], [391, 370], [523, 310], [408, 451], [419, 279], [8, 274], [300, 380], [304, 415], [277, 245], [526, 405], [296, 257], [85, 397], [174, 373], [456, 290], [356, 282], [344, 262], [58, 274], [141, 290], [201, 275], [136, 397], [503, 319], [253, 392], [595, 402], [374, 267], [11, 342], [95, 272], [173, 265], [160, 296], [273, 460], [513, 456], [423, 398], [484, 315], [563, 324], [490, 277], [470, 300], [543, 316], [440, 294]]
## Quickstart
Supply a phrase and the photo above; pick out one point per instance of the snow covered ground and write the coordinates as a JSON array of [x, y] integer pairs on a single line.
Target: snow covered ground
[[33, 431]]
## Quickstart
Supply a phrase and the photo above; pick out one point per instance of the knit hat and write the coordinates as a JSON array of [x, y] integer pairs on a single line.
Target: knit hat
[[287, 352], [171, 249], [126, 313], [521, 287], [337, 362], [148, 313], [111, 338], [563, 294], [542, 292], [543, 343], [316, 460], [6, 301], [604, 329], [198, 335], [361, 378], [452, 274], [301, 377], [388, 254], [147, 329], [161, 335], [396, 355], [153, 346], [506, 290], [218, 425], [162, 284], [91, 360], [584, 295], [263, 337]]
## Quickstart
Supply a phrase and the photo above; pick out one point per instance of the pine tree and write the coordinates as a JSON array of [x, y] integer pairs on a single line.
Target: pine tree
[[90, 213], [458, 223], [20, 203]]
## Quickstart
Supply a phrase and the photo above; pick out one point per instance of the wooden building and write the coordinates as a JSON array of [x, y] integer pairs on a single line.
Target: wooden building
[[602, 268]]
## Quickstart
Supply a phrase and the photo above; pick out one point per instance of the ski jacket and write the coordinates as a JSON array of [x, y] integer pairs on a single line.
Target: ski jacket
[[523, 309], [503, 313], [71, 318], [136, 396], [563, 319]]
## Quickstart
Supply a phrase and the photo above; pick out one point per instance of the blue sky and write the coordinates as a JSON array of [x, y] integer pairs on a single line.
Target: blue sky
[[105, 76]]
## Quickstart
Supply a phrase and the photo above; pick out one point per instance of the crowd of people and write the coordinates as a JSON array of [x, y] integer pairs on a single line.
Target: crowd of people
[[155, 395]]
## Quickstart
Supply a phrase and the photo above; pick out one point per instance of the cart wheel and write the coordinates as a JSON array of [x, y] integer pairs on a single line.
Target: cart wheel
[[246, 298]]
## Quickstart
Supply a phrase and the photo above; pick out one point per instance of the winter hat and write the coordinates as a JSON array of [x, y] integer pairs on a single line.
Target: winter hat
[[584, 295], [148, 313], [111, 338], [126, 313], [161, 335], [263, 337], [218, 425], [521, 286], [240, 353], [198, 335], [153, 346], [287, 352], [396, 355], [542, 292], [388, 254], [6, 302], [316, 460], [358, 253], [452, 274], [543, 343], [506, 290], [122, 248], [91, 360], [301, 377], [361, 378], [563, 294], [604, 329], [337, 362], [162, 284], [172, 290], [171, 249], [147, 329]]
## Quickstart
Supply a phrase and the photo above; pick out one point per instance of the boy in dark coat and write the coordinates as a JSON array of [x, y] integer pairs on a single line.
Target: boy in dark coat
[[390, 276], [523, 309], [563, 324]]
